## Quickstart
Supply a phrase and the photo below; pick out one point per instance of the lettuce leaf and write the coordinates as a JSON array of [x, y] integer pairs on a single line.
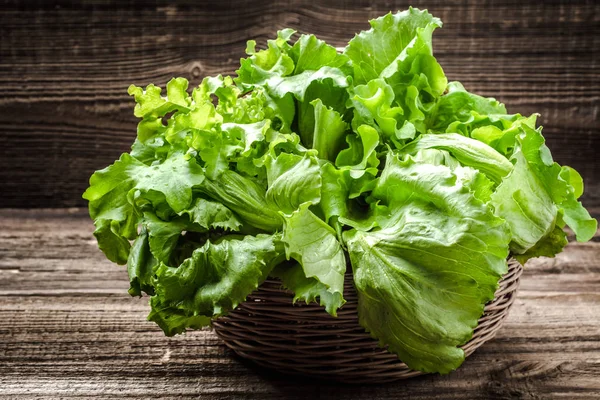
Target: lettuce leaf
[[111, 189], [246, 197], [361, 155], [397, 79], [535, 194], [467, 151], [308, 289], [314, 244], [379, 51], [293, 180], [424, 277], [458, 105], [215, 279], [140, 266], [329, 131]]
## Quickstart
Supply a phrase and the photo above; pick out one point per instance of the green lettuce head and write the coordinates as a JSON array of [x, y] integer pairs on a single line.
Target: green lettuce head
[[313, 164]]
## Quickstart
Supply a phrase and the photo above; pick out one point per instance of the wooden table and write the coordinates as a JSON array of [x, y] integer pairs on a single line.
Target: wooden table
[[68, 328]]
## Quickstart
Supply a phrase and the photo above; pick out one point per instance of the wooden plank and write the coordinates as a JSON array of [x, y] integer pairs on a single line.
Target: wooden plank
[[65, 68], [70, 330]]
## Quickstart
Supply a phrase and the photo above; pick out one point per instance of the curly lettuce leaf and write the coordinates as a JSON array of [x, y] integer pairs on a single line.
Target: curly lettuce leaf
[[174, 320], [373, 106], [283, 69], [331, 96], [314, 244], [216, 149], [264, 64], [467, 151], [150, 102], [522, 200], [140, 266], [244, 196], [397, 79], [496, 130], [293, 180], [164, 235], [424, 277], [112, 188], [311, 54], [548, 246], [478, 184], [536, 193], [215, 279], [313, 71], [297, 85], [361, 154], [377, 52], [202, 216], [307, 289], [212, 215], [341, 200], [458, 105], [329, 131]]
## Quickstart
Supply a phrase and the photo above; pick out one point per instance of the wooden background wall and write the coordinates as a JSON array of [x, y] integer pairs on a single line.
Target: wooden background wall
[[65, 67]]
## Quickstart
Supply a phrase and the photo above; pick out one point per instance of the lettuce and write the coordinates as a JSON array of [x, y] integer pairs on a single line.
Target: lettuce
[[314, 165], [314, 244], [424, 276], [214, 279]]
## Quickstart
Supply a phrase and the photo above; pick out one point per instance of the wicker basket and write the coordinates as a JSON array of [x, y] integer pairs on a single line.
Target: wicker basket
[[303, 339]]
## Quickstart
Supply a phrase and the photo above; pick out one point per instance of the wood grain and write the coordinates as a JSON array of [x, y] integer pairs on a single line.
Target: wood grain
[[65, 67], [69, 329]]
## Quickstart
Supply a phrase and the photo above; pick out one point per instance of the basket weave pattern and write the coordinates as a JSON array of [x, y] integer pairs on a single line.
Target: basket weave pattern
[[303, 339]]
